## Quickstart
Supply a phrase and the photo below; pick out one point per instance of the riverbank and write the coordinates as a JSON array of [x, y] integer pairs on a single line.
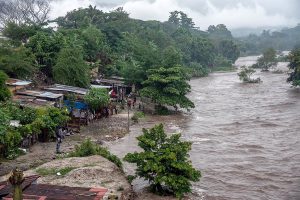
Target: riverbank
[[106, 129]]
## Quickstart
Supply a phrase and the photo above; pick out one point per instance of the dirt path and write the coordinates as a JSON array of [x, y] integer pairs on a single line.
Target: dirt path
[[107, 129]]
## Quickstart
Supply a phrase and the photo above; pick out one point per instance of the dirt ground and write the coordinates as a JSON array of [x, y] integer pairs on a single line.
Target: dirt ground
[[106, 129]]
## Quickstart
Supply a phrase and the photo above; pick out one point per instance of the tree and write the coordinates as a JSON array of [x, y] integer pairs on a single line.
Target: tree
[[94, 43], [229, 50], [246, 73], [19, 33], [71, 69], [202, 51], [97, 98], [197, 70], [181, 19], [267, 60], [18, 62], [4, 91], [294, 65], [133, 72], [219, 32], [45, 47], [171, 57], [168, 86], [222, 63], [164, 162], [24, 11]]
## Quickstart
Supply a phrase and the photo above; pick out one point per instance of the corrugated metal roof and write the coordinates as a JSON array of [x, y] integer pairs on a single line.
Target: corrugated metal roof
[[101, 86], [17, 82], [40, 94], [66, 88]]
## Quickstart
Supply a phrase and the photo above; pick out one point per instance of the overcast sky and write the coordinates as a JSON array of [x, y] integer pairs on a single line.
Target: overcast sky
[[232, 13]]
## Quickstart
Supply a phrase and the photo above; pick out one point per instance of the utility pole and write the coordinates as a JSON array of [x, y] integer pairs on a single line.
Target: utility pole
[[128, 120]]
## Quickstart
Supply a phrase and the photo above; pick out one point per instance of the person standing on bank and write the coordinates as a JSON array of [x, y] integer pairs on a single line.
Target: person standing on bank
[[59, 136]]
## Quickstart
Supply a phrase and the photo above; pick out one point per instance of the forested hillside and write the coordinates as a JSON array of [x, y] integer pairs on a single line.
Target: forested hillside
[[286, 39], [88, 39]]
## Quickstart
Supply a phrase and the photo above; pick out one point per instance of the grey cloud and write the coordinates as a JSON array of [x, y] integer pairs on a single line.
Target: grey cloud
[[233, 13]]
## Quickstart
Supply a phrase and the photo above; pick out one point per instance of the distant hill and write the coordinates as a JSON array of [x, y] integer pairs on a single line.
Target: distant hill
[[283, 40], [244, 32]]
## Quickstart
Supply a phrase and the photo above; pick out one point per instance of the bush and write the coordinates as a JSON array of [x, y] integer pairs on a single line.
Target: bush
[[88, 148], [97, 98], [4, 92], [197, 70], [164, 162], [48, 119], [245, 75], [136, 116], [222, 64], [9, 137]]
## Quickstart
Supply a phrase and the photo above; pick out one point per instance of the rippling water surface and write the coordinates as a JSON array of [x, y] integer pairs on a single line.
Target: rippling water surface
[[246, 137]]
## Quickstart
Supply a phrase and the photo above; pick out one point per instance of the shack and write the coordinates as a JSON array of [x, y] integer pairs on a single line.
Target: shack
[[31, 101], [117, 85], [80, 114], [15, 85], [66, 89], [48, 96]]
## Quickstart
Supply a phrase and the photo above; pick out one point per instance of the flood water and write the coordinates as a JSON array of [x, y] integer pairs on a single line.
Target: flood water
[[246, 137]]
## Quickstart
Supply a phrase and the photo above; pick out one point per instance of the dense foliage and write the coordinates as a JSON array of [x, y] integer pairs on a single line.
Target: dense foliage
[[97, 98], [168, 86], [164, 162], [111, 44], [71, 69], [4, 91], [32, 121], [283, 40], [294, 59], [17, 62], [267, 60]]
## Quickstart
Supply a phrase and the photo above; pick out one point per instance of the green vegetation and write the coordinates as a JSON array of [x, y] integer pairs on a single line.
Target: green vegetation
[[115, 44], [294, 59], [164, 162], [4, 92], [48, 119], [33, 121], [54, 171], [283, 40], [246, 73], [223, 64], [17, 62], [97, 98], [168, 86], [71, 69], [267, 60], [88, 148], [136, 116]]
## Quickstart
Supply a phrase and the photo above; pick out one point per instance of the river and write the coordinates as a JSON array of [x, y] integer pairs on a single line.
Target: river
[[246, 137]]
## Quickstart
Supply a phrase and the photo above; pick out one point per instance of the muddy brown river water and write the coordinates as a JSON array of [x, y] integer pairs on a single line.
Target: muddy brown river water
[[246, 137]]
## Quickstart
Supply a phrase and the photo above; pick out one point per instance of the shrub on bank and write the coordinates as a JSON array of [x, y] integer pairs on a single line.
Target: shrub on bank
[[164, 162], [88, 148], [136, 116]]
